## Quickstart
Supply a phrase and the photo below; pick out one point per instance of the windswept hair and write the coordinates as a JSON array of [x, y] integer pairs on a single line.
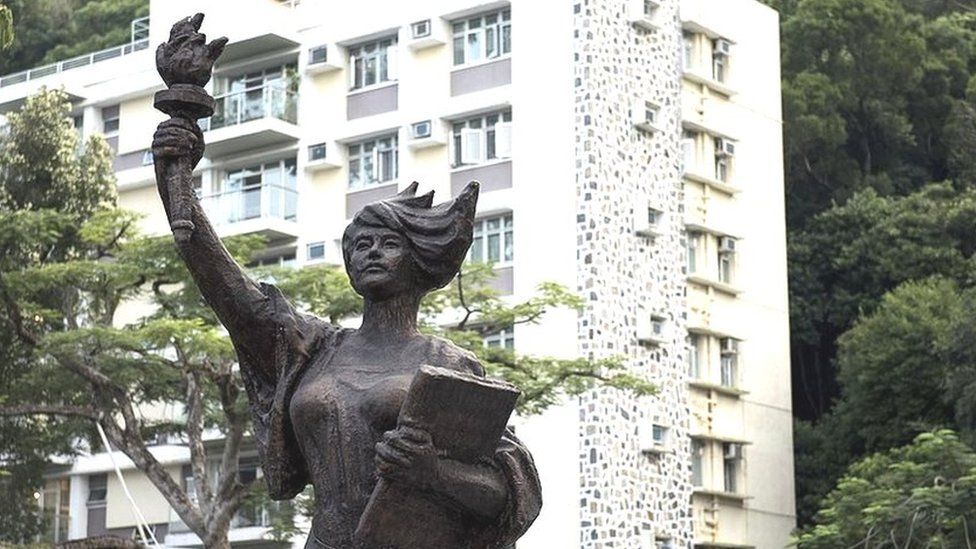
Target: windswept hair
[[439, 236]]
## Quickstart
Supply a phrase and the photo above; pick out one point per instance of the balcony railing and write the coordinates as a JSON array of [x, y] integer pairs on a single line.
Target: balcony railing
[[140, 42], [248, 516], [269, 101], [254, 202]]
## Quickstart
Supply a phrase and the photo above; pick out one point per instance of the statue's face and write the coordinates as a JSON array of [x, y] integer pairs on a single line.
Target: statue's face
[[381, 263]]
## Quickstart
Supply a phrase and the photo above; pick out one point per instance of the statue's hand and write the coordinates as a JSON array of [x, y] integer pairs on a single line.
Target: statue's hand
[[407, 454], [187, 58], [178, 138]]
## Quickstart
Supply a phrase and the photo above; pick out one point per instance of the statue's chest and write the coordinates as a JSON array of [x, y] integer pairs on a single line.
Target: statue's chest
[[369, 394]]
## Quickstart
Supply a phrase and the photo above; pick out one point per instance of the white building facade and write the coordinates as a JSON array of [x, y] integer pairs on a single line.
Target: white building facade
[[628, 149]]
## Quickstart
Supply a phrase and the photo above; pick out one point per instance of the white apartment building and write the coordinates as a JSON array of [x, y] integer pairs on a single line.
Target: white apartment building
[[629, 149]]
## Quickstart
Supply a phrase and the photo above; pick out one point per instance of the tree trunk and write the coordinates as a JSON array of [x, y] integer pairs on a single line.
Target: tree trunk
[[217, 541]]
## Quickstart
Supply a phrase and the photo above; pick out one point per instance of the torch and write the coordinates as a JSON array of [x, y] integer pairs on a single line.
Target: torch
[[186, 63]]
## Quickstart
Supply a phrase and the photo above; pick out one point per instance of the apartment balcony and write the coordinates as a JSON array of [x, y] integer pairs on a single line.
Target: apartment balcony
[[248, 527], [252, 119], [268, 210]]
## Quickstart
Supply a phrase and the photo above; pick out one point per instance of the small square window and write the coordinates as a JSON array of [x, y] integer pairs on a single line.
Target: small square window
[[315, 251]]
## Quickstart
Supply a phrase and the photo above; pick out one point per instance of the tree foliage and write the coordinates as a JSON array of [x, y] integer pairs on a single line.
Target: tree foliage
[[920, 495], [53, 30]]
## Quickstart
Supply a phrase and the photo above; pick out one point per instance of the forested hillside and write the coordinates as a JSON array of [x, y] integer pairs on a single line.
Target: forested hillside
[[52, 30], [879, 102]]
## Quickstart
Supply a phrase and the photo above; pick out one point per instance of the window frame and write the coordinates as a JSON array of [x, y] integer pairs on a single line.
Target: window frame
[[103, 489], [478, 26], [505, 339], [482, 235], [358, 154], [484, 129], [114, 119], [383, 53]]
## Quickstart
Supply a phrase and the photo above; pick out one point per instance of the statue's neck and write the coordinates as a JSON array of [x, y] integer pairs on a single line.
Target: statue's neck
[[394, 318]]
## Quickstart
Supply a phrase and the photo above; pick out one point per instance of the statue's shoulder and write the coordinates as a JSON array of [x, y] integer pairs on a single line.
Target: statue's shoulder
[[448, 355]]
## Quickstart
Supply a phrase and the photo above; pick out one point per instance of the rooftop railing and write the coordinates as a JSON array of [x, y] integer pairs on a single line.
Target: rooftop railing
[[140, 41]]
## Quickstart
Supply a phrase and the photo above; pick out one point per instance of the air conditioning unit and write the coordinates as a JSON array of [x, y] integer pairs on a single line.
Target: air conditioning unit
[[722, 47], [427, 33], [420, 29], [420, 130], [652, 439], [730, 346], [733, 450], [726, 245], [647, 225], [426, 133], [641, 13], [651, 329], [318, 54], [320, 59], [322, 155], [724, 147], [645, 115]]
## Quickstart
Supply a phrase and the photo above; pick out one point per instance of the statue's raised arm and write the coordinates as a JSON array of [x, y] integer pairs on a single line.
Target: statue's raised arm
[[185, 63]]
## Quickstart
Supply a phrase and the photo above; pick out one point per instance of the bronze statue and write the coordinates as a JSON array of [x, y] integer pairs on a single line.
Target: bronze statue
[[326, 400]]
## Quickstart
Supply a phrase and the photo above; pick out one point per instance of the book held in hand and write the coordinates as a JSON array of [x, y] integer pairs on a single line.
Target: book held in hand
[[466, 416]]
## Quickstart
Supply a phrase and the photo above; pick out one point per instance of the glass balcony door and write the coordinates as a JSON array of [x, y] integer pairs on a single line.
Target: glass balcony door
[[268, 190]]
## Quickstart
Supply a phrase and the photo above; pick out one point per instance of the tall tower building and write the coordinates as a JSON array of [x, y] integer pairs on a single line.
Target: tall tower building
[[630, 150]]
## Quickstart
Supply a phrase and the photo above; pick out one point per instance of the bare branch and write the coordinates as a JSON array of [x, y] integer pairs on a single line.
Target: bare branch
[[49, 410]]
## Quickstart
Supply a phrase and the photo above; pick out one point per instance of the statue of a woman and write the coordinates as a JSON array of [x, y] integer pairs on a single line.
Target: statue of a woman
[[325, 400]]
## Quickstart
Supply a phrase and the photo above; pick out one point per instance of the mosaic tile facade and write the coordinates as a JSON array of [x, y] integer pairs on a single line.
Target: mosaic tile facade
[[629, 498]]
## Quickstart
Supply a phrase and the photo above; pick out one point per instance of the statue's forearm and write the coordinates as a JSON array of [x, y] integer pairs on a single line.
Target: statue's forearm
[[479, 489], [235, 298]]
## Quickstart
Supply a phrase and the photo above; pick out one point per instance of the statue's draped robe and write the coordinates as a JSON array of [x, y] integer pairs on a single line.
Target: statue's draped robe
[[339, 461]]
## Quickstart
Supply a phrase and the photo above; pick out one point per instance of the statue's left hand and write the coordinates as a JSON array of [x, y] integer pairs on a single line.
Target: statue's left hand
[[186, 58], [408, 454]]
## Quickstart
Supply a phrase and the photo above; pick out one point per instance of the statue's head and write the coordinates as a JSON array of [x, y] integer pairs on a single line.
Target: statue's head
[[406, 245]]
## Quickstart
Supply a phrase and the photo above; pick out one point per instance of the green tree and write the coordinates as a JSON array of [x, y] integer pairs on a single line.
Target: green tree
[[53, 30], [6, 27], [891, 368], [96, 25], [849, 256], [921, 495]]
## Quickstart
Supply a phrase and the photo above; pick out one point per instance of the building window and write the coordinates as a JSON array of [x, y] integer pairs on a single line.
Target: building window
[[688, 44], [659, 435], [97, 488], [695, 351], [502, 339], [693, 251], [373, 162], [56, 506], [732, 459], [689, 156], [286, 259], [262, 190], [493, 240], [110, 121], [726, 259], [483, 138], [315, 251], [729, 362], [373, 63], [697, 462], [721, 51], [485, 36]]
